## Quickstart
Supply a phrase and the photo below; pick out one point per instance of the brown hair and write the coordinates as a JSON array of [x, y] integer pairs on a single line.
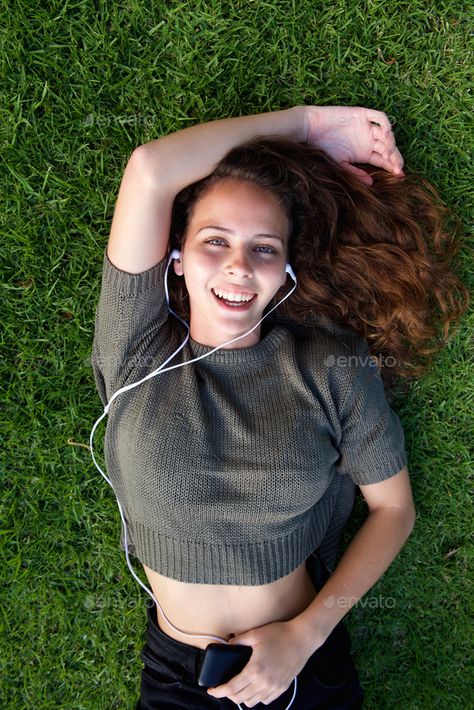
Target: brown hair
[[374, 259]]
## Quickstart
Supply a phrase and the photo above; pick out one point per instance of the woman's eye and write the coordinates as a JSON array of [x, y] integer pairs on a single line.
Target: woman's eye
[[265, 249], [214, 240]]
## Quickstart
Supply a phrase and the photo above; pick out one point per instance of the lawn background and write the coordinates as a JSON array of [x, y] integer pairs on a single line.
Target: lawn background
[[84, 83]]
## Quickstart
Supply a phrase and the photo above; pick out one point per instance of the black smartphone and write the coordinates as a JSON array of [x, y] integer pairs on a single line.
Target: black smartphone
[[222, 662]]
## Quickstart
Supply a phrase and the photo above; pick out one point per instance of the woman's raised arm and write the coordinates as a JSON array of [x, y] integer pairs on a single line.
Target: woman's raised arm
[[158, 170]]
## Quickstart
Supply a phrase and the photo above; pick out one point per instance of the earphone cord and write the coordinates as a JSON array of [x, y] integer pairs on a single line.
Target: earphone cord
[[160, 370]]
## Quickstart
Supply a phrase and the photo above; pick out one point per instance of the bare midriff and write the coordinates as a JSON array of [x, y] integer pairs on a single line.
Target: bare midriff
[[223, 610]]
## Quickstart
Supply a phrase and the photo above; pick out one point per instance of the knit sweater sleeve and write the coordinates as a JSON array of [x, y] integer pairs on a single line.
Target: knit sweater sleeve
[[130, 316], [372, 446]]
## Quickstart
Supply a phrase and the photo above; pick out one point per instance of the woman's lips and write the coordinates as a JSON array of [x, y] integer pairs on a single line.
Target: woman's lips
[[234, 306]]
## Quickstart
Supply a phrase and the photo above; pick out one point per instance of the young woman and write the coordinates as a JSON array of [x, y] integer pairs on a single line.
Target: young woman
[[236, 472]]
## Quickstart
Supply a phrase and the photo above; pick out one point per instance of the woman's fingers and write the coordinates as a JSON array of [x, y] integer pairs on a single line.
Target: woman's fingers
[[378, 117], [382, 148], [251, 702], [393, 164], [386, 147], [384, 141], [397, 161], [392, 154], [380, 162]]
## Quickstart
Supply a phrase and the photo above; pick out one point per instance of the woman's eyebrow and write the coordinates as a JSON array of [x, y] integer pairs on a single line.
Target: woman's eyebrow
[[229, 231]]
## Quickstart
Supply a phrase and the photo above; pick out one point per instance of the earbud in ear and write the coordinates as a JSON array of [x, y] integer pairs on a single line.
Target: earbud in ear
[[175, 254], [290, 271]]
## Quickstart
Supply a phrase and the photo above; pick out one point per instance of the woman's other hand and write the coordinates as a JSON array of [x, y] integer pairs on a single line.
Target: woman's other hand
[[354, 135], [279, 655]]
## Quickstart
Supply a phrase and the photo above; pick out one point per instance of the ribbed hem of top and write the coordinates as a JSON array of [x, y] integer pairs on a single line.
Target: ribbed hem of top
[[388, 467], [132, 284], [259, 351], [228, 564]]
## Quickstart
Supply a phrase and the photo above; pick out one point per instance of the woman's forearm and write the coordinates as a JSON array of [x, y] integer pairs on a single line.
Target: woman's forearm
[[181, 158], [377, 543]]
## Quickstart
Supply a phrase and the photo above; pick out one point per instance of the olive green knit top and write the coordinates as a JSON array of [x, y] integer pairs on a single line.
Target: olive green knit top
[[233, 469]]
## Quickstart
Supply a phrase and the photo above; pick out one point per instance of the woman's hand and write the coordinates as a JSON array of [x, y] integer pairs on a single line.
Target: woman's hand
[[279, 655], [349, 135]]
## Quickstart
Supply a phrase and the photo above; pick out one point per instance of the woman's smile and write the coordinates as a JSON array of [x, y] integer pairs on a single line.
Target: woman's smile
[[234, 300]]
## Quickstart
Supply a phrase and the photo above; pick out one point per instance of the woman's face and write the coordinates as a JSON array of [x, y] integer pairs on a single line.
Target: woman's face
[[233, 261]]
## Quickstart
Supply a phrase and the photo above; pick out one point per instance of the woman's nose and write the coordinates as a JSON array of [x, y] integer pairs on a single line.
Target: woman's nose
[[239, 264]]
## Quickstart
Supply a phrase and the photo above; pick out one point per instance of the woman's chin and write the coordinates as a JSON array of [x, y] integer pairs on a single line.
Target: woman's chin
[[218, 337]]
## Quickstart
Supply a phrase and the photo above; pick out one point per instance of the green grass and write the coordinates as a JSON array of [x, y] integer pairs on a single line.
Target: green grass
[[82, 85]]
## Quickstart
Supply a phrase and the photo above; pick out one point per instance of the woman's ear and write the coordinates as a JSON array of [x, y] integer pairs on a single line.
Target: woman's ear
[[177, 266]]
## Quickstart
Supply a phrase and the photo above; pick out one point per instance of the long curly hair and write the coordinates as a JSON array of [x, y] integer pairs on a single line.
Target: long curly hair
[[375, 259]]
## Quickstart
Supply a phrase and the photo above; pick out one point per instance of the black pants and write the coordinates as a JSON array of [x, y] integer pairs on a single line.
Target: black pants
[[329, 680]]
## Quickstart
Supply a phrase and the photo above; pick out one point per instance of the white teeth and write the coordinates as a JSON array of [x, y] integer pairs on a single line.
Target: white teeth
[[235, 297]]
